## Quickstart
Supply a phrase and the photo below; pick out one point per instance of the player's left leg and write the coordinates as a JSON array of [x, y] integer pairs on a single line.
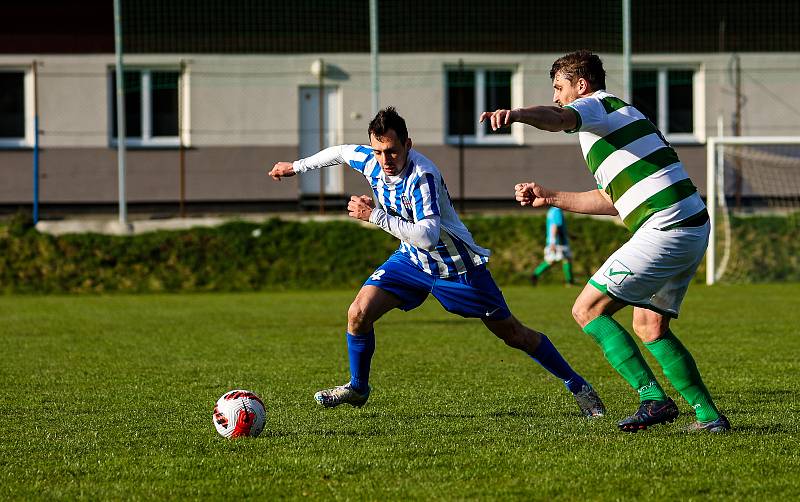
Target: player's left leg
[[475, 294], [566, 266], [539, 347], [679, 368]]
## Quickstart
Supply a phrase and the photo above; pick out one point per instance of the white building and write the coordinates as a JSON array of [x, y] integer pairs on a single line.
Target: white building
[[223, 112]]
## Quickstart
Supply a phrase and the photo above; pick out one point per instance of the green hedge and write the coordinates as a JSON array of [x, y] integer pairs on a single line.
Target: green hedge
[[279, 254]]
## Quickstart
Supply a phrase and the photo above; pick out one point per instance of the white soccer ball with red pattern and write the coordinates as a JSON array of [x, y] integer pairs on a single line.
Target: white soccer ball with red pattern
[[239, 413]]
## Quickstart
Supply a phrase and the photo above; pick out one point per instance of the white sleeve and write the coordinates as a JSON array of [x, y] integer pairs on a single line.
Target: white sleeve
[[423, 234], [332, 156], [591, 115]]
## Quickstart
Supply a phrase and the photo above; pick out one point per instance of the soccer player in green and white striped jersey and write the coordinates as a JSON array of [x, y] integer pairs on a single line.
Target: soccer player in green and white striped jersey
[[640, 178]]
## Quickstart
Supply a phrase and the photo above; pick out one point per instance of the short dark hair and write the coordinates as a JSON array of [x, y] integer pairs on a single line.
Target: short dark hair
[[386, 119], [581, 64]]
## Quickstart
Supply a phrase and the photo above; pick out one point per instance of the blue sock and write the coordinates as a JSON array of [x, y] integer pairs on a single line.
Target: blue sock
[[360, 349], [548, 356]]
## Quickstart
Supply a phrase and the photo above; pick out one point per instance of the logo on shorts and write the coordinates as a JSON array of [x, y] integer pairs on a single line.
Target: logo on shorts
[[617, 272], [490, 313]]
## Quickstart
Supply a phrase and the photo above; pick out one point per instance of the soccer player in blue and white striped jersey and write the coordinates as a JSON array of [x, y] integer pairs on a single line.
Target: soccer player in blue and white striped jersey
[[437, 255]]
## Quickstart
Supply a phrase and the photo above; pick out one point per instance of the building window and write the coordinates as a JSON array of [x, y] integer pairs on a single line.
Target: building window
[[12, 109], [471, 91], [666, 97], [151, 107]]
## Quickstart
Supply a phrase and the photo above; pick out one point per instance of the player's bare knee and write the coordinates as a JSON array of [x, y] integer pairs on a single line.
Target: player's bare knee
[[581, 314], [648, 330], [514, 339], [509, 331], [357, 318], [521, 337]]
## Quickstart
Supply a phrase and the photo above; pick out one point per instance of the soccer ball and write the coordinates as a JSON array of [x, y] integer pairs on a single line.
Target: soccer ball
[[239, 413]]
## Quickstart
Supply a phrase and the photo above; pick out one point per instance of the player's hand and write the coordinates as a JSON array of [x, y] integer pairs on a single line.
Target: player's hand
[[498, 118], [282, 170], [360, 207], [531, 194]]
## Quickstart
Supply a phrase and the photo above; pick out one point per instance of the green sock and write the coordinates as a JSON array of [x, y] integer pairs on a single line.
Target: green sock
[[567, 267], [680, 369], [541, 268], [624, 356]]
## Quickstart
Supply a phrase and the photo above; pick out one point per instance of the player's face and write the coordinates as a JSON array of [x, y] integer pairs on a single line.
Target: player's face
[[564, 91], [390, 152]]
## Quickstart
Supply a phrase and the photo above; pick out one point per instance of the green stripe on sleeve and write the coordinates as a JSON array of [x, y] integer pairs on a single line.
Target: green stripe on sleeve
[[640, 170], [612, 104], [616, 140], [662, 200]]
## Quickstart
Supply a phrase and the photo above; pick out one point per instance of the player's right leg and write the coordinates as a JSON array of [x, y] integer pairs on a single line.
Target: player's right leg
[[538, 271], [593, 311], [395, 284], [369, 305], [549, 258]]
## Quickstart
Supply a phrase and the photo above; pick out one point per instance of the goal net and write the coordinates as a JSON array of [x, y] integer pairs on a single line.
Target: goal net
[[754, 204]]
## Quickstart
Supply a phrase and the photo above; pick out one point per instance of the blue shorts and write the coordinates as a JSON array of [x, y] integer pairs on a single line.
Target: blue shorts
[[472, 294]]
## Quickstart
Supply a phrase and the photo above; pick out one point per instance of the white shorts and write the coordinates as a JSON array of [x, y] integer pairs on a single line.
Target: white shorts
[[559, 253], [654, 268]]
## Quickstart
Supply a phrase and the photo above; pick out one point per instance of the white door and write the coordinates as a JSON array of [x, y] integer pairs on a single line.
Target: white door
[[332, 177]]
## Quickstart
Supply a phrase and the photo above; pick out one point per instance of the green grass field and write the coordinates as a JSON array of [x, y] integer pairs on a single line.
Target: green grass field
[[110, 397]]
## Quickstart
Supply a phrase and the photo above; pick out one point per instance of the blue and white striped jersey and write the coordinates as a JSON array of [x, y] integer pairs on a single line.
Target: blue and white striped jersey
[[417, 192]]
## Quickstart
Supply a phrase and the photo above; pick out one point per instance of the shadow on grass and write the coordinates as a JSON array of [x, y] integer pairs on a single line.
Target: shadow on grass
[[763, 430], [275, 434], [445, 415], [451, 321]]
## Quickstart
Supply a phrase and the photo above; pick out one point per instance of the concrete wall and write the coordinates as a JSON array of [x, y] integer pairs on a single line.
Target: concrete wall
[[242, 115]]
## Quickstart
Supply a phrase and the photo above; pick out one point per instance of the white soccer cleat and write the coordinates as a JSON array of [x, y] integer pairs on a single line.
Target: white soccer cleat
[[589, 402], [342, 394]]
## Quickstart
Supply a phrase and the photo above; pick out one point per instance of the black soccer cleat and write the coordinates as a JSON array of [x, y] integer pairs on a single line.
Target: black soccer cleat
[[721, 424], [650, 413]]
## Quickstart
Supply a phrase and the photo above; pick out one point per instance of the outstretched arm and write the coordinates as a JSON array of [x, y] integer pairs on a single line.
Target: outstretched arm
[[547, 118], [591, 202], [332, 156]]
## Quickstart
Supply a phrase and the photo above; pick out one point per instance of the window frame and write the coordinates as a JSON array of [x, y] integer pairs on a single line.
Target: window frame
[[28, 96], [514, 138], [147, 140], [697, 136]]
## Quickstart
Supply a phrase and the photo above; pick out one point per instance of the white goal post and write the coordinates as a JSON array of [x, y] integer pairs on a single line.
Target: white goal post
[[715, 187]]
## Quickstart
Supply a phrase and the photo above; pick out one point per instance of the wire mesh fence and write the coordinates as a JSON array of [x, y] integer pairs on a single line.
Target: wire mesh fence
[[217, 90]]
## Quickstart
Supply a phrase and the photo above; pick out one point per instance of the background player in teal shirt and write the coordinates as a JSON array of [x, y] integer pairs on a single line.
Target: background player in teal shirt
[[556, 248]]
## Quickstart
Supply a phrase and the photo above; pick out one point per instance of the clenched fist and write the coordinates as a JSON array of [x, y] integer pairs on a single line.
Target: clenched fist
[[531, 194], [360, 207]]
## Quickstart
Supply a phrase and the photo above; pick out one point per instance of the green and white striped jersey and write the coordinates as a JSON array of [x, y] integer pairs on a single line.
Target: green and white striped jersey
[[633, 163]]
